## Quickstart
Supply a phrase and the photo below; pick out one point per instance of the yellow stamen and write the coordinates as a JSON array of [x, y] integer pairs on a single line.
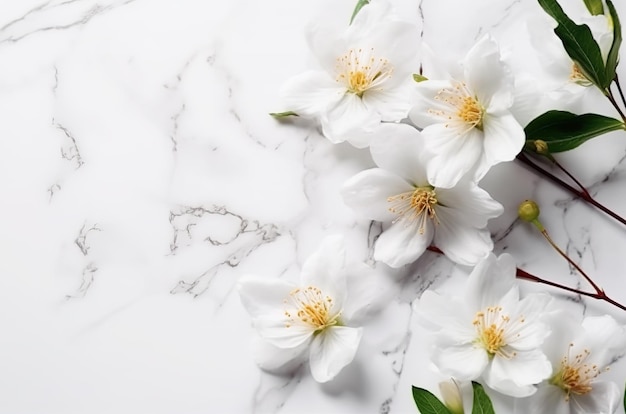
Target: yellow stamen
[[418, 204], [463, 106], [491, 328], [312, 308], [575, 375], [359, 70]]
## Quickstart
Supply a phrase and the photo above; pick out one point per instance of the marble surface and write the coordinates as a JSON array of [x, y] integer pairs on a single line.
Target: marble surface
[[141, 176]]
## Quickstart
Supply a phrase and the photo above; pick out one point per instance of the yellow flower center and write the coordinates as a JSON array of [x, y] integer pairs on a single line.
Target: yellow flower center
[[575, 375], [491, 327], [418, 204], [312, 307], [461, 106], [577, 76], [360, 70]]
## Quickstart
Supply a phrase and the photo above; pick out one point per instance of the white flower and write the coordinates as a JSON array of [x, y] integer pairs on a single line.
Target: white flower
[[364, 79], [490, 332], [467, 125], [417, 212], [575, 387], [561, 76], [306, 318]]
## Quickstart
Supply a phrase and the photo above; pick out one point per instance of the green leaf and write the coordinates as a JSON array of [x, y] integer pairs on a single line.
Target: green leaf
[[357, 8], [419, 78], [427, 403], [613, 56], [563, 131], [579, 44], [482, 403], [625, 399], [279, 115], [595, 7]]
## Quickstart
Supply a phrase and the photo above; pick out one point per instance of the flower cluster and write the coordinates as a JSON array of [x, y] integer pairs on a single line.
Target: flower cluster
[[433, 140]]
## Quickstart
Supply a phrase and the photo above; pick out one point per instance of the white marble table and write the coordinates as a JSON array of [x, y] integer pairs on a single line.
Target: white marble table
[[141, 176]]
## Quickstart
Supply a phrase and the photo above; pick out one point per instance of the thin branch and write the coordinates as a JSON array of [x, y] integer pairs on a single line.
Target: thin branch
[[586, 197], [619, 88], [524, 275]]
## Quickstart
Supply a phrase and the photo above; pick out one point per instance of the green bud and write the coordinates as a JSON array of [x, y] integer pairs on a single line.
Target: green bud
[[528, 211], [541, 147]]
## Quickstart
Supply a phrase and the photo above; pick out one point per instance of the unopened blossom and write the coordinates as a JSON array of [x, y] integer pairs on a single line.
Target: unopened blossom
[[467, 125], [364, 76], [415, 212], [490, 333], [308, 317], [580, 353]]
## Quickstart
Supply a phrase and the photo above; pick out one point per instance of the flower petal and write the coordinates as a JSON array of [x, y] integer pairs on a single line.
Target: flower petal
[[516, 375], [529, 334], [281, 332], [402, 243], [461, 243], [504, 137], [485, 73], [426, 110], [311, 93], [547, 399], [278, 360], [454, 154], [472, 202], [447, 316], [391, 103], [262, 295], [367, 192], [348, 116], [490, 281], [604, 337], [325, 269], [464, 362], [604, 398], [332, 350], [399, 148]]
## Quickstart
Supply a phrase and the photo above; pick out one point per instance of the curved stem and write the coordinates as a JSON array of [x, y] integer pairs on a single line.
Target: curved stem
[[578, 183], [585, 196], [571, 262], [524, 275]]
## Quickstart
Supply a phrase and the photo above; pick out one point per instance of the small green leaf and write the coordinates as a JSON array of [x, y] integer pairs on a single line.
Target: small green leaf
[[613, 56], [625, 399], [482, 403], [419, 78], [427, 403], [595, 7], [563, 131], [579, 44], [357, 8], [279, 115]]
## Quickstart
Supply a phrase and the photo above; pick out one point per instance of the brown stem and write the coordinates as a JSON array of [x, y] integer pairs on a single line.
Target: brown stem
[[585, 196], [571, 262], [619, 89], [611, 98], [578, 183], [524, 275]]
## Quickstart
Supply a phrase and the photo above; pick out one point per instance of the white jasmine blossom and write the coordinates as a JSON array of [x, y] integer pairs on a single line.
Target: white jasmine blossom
[[490, 333], [580, 353], [467, 125], [416, 212], [309, 317], [365, 76], [560, 75]]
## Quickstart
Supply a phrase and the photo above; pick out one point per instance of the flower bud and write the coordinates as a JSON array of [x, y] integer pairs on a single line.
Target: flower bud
[[451, 395], [528, 211], [541, 147]]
